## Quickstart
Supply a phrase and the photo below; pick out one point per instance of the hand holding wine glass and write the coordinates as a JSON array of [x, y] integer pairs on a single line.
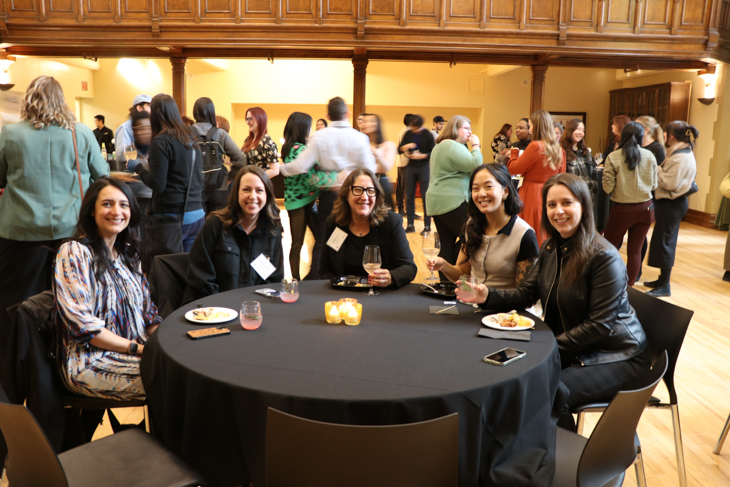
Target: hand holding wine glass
[[431, 245], [371, 261]]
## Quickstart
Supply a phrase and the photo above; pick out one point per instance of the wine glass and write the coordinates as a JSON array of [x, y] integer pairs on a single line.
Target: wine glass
[[130, 152], [251, 316], [289, 290], [371, 261], [431, 245]]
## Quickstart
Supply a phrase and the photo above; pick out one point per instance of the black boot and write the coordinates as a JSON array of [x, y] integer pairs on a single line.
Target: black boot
[[652, 284]]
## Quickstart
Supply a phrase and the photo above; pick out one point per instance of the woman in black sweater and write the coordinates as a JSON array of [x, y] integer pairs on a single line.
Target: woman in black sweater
[[175, 165]]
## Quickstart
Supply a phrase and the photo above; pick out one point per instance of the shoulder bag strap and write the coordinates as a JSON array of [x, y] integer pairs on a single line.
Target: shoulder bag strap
[[190, 179], [78, 167]]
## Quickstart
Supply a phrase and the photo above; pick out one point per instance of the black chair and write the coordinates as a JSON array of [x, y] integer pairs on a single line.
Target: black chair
[[131, 457], [168, 279], [304, 452], [602, 459], [665, 326], [723, 435]]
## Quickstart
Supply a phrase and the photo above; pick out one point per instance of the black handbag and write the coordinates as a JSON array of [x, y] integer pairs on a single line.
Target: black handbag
[[693, 189], [164, 232]]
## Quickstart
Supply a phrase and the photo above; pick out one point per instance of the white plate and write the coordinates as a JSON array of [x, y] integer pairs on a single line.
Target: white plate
[[227, 314], [492, 321]]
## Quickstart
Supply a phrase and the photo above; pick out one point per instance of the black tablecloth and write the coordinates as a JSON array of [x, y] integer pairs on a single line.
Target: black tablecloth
[[208, 398]]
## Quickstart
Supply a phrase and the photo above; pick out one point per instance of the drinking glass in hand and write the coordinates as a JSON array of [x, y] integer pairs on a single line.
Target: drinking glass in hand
[[251, 316], [431, 245], [289, 290], [130, 152], [371, 261], [468, 289]]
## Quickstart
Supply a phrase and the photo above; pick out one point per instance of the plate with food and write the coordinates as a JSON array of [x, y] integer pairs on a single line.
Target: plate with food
[[508, 321], [350, 282], [439, 289], [211, 315]]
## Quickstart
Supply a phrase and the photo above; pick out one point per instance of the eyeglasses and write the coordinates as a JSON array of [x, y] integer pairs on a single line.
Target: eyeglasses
[[359, 190], [249, 119]]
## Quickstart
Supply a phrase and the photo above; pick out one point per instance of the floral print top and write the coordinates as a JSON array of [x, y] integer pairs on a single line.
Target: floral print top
[[264, 154]]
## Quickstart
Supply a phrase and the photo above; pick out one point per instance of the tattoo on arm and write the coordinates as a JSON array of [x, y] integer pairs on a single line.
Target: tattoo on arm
[[523, 268]]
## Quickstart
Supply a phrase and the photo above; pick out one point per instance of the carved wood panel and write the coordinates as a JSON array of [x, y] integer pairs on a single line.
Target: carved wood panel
[[620, 14], [693, 14], [338, 8], [657, 13], [502, 11], [218, 7], [581, 11], [21, 8], [543, 12], [137, 6], [462, 10], [379, 8], [423, 10], [176, 7], [294, 7], [98, 6]]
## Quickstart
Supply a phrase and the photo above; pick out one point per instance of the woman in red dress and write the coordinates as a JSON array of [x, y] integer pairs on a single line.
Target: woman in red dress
[[542, 159]]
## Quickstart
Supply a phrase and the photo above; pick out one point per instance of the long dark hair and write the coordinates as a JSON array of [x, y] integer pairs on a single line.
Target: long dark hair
[[232, 213], [631, 137], [620, 122], [566, 141], [165, 119], [262, 120], [296, 131], [683, 132], [584, 242], [476, 223], [127, 243], [379, 139], [503, 131], [204, 111]]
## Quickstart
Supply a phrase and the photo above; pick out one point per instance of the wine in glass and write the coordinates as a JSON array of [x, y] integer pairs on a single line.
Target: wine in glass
[[251, 316], [289, 290], [431, 245], [371, 261], [130, 152]]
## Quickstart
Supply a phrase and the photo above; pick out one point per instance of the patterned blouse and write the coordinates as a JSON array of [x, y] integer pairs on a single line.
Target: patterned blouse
[[263, 154], [500, 143], [120, 302]]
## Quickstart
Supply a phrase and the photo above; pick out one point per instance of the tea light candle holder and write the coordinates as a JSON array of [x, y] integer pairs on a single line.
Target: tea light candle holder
[[354, 314], [332, 312]]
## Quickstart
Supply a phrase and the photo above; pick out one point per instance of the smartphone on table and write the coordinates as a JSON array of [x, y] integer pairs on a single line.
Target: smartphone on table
[[504, 356]]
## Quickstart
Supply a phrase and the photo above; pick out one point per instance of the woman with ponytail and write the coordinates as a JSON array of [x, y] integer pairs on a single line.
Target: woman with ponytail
[[653, 139], [676, 178], [629, 177], [542, 159]]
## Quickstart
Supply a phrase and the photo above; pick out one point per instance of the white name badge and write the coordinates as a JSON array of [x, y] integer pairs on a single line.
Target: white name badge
[[263, 266], [336, 239]]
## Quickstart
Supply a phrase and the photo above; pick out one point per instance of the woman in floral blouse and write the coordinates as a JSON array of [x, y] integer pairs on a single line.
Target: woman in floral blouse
[[501, 140], [259, 147]]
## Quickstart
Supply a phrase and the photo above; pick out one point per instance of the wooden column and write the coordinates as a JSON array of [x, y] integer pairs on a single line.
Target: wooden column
[[178, 82], [360, 65], [537, 92]]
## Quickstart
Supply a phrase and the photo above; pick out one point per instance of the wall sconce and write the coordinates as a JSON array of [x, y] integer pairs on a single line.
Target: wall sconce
[[709, 77], [5, 61]]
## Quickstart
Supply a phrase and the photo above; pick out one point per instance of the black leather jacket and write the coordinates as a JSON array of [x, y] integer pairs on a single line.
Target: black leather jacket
[[597, 323]]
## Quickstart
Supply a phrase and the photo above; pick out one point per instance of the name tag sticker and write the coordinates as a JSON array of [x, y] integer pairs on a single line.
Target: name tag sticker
[[263, 266], [337, 239]]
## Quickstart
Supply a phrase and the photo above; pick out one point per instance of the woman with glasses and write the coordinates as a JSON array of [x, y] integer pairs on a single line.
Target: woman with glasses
[[361, 218], [259, 147]]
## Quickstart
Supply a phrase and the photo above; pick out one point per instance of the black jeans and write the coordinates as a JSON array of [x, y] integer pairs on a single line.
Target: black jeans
[[400, 187], [417, 174], [450, 226], [387, 190], [324, 208], [299, 220], [214, 200]]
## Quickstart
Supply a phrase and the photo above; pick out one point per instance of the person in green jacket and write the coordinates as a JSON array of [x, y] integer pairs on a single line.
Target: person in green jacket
[[451, 166], [41, 203]]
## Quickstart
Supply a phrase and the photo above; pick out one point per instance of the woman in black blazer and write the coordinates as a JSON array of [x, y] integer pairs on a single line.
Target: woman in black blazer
[[360, 213]]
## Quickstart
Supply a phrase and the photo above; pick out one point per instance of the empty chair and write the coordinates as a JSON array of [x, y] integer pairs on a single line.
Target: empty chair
[[304, 452], [665, 326], [168, 279], [602, 459], [132, 457]]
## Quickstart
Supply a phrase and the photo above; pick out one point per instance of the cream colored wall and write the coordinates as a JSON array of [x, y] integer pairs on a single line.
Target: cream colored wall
[[704, 118], [118, 81], [26, 69]]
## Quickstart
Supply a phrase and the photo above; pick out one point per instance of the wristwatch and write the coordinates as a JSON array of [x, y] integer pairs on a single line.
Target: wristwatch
[[132, 349]]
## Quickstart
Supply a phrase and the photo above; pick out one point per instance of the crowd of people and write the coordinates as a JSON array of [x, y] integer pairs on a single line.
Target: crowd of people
[[69, 226]]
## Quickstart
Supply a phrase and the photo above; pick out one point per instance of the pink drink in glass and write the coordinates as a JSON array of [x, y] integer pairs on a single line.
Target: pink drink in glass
[[251, 315], [289, 298]]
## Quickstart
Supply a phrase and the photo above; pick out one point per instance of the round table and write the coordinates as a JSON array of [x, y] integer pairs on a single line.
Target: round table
[[208, 398]]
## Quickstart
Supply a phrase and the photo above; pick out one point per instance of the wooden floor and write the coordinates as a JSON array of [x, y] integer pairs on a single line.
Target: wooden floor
[[703, 370]]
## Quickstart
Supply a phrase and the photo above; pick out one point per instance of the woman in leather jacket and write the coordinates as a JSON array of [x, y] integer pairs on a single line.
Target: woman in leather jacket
[[581, 280], [232, 239]]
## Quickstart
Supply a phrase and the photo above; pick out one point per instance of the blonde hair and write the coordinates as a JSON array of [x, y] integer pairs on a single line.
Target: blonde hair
[[650, 123], [44, 104], [451, 130], [542, 130]]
